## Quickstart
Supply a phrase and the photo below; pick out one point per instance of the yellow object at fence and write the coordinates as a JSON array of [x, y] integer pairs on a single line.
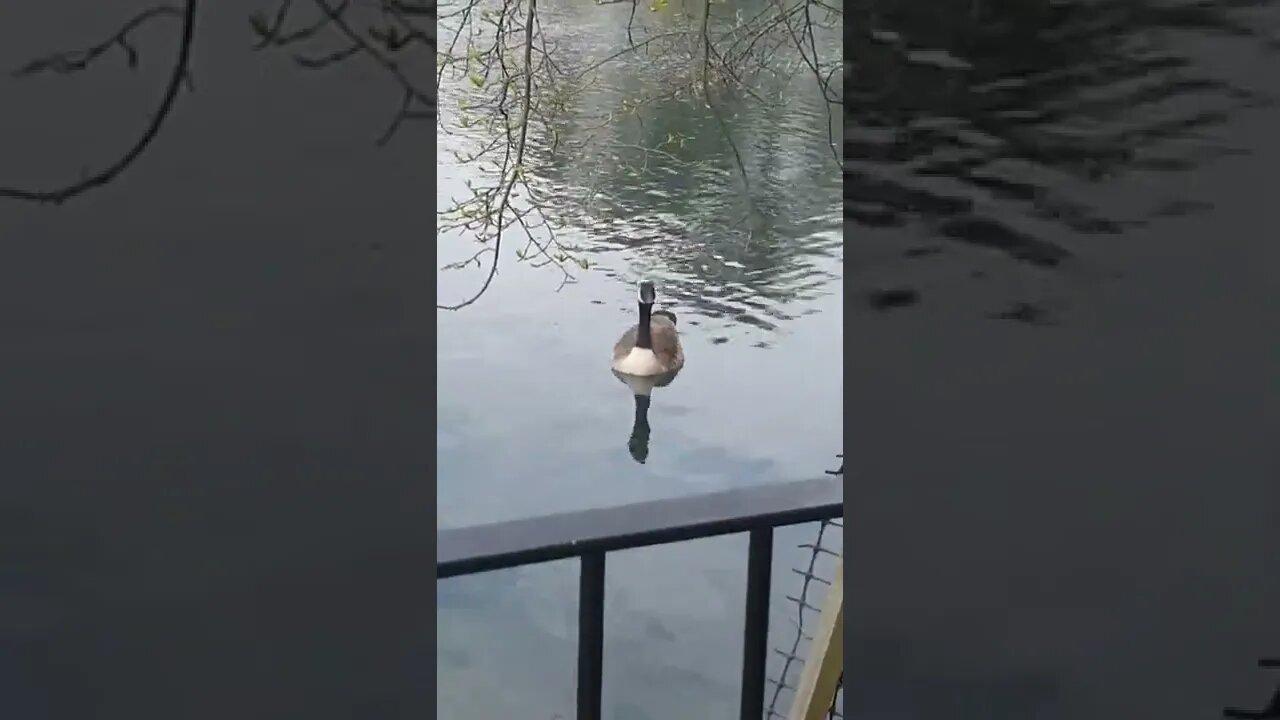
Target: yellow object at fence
[[824, 667]]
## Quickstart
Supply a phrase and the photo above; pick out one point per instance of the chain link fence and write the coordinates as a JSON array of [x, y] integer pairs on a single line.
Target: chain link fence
[[815, 577]]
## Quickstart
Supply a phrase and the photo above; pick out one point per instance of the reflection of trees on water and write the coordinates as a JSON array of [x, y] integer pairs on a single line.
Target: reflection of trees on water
[[666, 184], [978, 119]]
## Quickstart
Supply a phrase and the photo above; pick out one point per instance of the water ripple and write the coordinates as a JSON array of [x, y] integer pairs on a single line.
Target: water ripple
[[997, 126]]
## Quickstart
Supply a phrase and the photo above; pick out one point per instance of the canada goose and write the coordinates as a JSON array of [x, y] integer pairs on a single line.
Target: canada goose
[[652, 346], [647, 356]]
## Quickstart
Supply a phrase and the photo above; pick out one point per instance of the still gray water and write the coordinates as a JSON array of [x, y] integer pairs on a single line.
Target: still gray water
[[531, 420]]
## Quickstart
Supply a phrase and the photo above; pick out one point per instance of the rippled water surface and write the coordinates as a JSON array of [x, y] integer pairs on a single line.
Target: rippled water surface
[[1060, 235]]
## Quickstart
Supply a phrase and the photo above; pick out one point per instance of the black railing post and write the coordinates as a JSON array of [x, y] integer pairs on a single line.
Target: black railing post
[[590, 636], [755, 634]]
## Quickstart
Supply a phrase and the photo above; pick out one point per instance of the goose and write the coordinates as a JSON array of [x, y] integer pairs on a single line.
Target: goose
[[652, 346], [647, 356]]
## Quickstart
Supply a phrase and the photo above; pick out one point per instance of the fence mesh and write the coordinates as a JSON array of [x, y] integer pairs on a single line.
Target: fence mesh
[[815, 577]]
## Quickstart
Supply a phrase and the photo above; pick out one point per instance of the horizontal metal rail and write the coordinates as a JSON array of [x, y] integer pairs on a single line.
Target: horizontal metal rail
[[591, 534], [480, 548]]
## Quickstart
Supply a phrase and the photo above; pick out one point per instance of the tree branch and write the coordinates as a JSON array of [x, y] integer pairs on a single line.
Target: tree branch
[[65, 63], [518, 169], [167, 101]]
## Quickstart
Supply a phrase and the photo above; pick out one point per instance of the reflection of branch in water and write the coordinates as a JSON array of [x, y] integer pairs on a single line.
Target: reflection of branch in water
[[67, 62], [823, 80], [378, 43], [725, 67], [706, 96]]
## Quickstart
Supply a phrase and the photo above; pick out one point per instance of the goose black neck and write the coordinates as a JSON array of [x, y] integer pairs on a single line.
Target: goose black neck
[[644, 336]]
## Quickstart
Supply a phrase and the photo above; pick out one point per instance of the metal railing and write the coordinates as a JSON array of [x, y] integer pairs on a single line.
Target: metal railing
[[591, 534]]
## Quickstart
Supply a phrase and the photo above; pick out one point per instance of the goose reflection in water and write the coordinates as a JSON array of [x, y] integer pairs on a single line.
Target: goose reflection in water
[[641, 390]]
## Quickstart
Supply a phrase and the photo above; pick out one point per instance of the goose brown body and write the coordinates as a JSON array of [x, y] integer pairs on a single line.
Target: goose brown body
[[666, 355]]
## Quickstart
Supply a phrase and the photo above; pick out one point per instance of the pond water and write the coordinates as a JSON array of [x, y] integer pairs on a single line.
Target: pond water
[[532, 421], [1064, 500]]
